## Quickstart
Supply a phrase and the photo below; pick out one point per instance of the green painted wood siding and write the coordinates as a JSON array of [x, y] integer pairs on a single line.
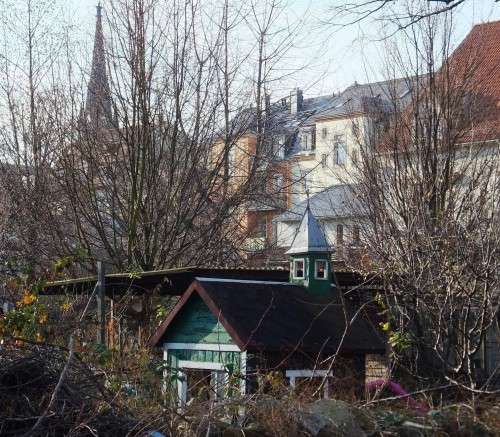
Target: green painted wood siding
[[195, 323]]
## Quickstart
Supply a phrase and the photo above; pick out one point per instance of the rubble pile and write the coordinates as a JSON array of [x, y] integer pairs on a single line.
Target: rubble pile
[[80, 406]]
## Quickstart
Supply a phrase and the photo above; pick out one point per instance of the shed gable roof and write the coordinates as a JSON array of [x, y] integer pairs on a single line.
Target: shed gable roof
[[278, 316]]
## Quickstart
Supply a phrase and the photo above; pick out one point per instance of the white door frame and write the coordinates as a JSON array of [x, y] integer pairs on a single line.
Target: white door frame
[[202, 365], [198, 365]]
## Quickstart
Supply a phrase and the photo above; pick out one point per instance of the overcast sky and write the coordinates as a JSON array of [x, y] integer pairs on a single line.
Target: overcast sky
[[333, 58]]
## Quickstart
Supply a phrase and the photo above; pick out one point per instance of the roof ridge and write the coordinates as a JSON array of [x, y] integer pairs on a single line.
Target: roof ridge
[[487, 23], [323, 96], [241, 281], [378, 82]]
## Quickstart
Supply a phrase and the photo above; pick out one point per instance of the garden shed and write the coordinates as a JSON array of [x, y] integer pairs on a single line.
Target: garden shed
[[225, 333]]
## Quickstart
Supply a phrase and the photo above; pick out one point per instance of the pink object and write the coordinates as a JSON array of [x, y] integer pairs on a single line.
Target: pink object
[[398, 391]]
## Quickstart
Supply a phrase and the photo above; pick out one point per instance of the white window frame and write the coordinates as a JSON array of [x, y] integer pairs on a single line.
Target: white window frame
[[304, 140], [279, 146], [292, 375], [263, 223], [303, 268], [316, 269]]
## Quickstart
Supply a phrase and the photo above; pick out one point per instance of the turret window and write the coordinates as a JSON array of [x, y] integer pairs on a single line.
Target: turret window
[[321, 269], [298, 269]]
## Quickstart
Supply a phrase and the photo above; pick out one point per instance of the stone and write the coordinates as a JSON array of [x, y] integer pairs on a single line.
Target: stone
[[338, 417], [314, 423]]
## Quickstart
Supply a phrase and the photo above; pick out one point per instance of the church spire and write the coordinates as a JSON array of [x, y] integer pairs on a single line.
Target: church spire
[[98, 106]]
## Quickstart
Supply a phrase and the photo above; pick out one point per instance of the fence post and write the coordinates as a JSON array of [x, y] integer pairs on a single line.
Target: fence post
[[101, 303]]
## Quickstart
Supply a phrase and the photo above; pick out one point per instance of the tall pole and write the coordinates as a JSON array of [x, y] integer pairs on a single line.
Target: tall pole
[[101, 303]]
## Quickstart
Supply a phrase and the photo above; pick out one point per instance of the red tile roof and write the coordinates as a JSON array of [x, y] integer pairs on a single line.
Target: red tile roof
[[476, 64], [472, 74], [481, 48]]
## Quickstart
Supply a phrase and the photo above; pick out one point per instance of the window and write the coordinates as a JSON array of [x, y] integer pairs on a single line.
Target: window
[[278, 182], [304, 141], [307, 139], [339, 150], [304, 185], [355, 130], [354, 156], [260, 228], [321, 269], [324, 132], [279, 147], [340, 234], [323, 160], [231, 157], [355, 235], [298, 268]]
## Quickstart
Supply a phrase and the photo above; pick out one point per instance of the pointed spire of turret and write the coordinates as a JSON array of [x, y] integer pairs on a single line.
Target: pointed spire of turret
[[309, 237], [98, 106]]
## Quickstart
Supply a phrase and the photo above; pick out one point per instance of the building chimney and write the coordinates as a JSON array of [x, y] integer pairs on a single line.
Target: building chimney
[[296, 99]]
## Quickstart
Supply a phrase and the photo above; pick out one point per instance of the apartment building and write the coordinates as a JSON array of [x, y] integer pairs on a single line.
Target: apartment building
[[314, 144]]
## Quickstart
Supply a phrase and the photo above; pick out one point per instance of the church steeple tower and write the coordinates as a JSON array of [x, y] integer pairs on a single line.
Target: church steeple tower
[[310, 256], [98, 106]]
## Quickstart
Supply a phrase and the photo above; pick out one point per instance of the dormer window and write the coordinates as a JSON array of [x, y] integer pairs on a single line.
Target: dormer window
[[298, 268], [321, 269]]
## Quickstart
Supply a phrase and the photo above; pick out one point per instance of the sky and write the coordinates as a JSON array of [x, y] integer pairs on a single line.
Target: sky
[[330, 58]]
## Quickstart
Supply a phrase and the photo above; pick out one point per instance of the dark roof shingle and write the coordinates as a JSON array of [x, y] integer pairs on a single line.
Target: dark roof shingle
[[280, 317]]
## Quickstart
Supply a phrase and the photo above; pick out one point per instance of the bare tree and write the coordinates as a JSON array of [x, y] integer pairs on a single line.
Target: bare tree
[[32, 41], [126, 167], [429, 184], [401, 13]]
